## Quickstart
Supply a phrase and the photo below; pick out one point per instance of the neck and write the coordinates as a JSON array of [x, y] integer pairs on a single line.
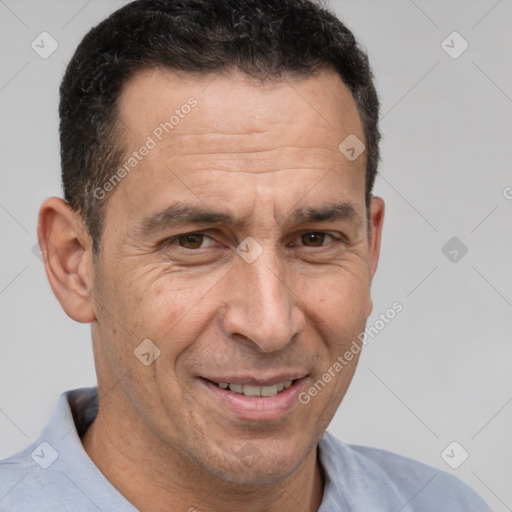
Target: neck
[[155, 477]]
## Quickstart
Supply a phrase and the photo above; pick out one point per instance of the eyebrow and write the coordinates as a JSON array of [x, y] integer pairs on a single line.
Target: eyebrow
[[180, 214], [326, 213]]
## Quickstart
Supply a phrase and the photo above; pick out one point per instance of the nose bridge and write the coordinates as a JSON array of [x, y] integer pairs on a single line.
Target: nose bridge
[[263, 308]]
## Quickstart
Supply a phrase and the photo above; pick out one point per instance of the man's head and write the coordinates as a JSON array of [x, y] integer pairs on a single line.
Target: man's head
[[238, 246]]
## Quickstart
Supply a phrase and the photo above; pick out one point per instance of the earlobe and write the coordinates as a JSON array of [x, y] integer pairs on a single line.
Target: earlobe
[[377, 208], [67, 251]]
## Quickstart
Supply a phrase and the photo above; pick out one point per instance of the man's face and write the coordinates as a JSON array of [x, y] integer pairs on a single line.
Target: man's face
[[279, 307]]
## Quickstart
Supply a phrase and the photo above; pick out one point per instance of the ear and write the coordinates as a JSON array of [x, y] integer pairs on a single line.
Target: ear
[[67, 250], [377, 208]]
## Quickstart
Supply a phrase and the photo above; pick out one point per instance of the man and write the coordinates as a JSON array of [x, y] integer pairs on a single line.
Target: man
[[220, 234]]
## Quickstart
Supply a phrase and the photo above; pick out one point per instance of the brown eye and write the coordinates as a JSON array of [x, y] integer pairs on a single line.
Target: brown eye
[[313, 239], [191, 241]]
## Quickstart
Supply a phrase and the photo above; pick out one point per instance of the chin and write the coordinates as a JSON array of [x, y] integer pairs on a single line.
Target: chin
[[261, 473], [256, 463]]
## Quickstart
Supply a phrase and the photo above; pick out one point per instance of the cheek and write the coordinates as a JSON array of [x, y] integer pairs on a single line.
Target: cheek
[[171, 315], [340, 301], [137, 306], [140, 309]]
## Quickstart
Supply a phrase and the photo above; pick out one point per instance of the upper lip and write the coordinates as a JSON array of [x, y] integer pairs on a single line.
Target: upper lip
[[256, 381]]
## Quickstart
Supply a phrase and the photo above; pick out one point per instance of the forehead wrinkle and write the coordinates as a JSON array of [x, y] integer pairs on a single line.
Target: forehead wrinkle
[[282, 137], [229, 150], [273, 161]]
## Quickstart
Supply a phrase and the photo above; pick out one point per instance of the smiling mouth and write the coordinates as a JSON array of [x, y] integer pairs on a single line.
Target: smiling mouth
[[255, 391]]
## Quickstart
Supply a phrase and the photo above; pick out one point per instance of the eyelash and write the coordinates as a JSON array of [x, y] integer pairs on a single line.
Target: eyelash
[[170, 241]]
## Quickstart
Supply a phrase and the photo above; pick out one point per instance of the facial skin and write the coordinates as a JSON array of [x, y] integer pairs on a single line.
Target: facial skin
[[258, 153]]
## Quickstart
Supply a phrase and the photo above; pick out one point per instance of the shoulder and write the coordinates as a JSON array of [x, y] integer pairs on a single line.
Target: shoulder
[[377, 477], [41, 477], [20, 485]]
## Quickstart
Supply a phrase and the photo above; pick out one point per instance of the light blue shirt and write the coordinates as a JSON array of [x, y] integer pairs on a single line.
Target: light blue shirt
[[55, 474]]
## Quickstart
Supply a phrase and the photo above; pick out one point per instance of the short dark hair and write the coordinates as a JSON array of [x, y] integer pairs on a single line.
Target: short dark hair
[[262, 38]]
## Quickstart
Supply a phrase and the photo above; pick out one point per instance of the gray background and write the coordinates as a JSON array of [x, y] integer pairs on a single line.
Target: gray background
[[440, 371]]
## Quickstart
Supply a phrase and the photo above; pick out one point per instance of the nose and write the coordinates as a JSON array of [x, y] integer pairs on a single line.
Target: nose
[[262, 306]]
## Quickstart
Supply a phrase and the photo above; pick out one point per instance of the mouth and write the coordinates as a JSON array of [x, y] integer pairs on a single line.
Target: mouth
[[254, 390], [250, 399]]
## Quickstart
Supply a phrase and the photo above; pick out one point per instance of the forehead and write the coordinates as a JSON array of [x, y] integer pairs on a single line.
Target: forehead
[[210, 135], [232, 103]]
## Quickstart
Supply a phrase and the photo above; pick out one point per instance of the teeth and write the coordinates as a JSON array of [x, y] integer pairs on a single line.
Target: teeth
[[250, 390], [236, 388], [268, 390]]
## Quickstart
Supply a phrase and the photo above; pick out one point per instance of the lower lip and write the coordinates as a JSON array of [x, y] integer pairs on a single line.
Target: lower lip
[[257, 408]]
